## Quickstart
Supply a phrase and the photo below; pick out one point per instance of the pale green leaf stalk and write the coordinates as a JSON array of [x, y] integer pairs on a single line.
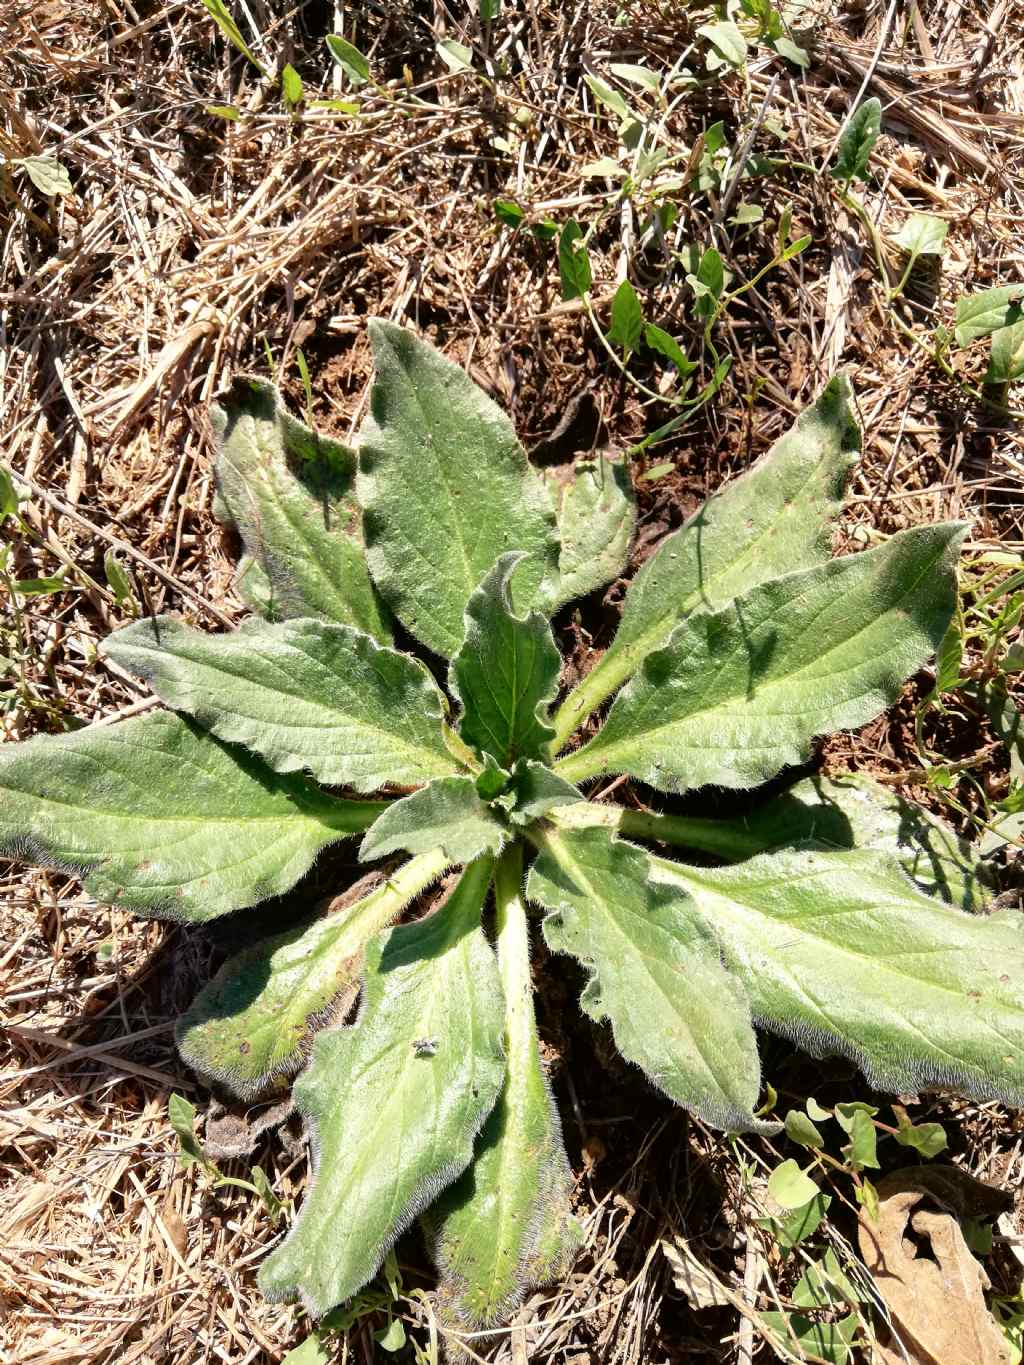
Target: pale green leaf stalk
[[741, 642], [505, 1227], [253, 1022], [395, 1101]]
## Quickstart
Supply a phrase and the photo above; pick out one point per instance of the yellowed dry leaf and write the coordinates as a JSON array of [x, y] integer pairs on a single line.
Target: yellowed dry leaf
[[700, 1286], [932, 1285]]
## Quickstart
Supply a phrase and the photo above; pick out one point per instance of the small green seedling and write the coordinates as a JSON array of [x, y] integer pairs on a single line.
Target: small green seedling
[[832, 916]]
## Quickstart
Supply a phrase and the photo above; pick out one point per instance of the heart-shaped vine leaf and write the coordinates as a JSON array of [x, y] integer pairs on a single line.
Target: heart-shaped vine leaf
[[505, 673], [446, 489], [303, 694], [596, 521], [840, 953], [290, 494], [505, 1226], [159, 817], [738, 694], [656, 974], [395, 1100], [774, 519], [253, 1021], [448, 814]]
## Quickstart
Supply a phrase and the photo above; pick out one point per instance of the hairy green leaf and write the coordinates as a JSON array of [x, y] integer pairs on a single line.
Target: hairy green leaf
[[159, 817], [977, 315], [446, 489], [655, 974], [737, 695], [850, 811], [394, 1101], [289, 492], [535, 790], [596, 521], [773, 519], [254, 1019], [839, 952], [858, 142], [446, 814], [505, 673], [303, 694], [505, 1227]]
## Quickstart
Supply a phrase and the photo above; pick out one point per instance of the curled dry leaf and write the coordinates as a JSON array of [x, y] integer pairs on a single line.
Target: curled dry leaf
[[700, 1286], [924, 1270]]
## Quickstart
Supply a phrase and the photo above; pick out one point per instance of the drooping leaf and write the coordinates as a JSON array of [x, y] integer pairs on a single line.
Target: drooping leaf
[[773, 519], [161, 818], [800, 1129], [254, 1019], [822, 1341], [456, 56], [573, 262], [656, 974], [505, 1227], [1006, 362], [610, 98], [727, 41], [627, 318], [597, 518], [349, 58], [737, 695], [446, 814], [446, 489], [395, 1101], [535, 790], [46, 173], [848, 811], [791, 1187], [665, 344], [839, 952], [303, 694], [506, 672], [290, 494], [922, 235], [858, 141], [977, 315], [291, 85]]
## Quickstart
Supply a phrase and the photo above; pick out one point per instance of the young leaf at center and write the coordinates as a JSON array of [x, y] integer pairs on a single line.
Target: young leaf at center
[[506, 672]]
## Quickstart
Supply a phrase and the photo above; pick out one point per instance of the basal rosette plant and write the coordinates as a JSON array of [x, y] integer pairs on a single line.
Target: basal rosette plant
[[836, 914]]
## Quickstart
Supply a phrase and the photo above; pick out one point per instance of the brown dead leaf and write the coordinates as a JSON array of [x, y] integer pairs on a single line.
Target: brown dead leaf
[[700, 1286], [924, 1270]]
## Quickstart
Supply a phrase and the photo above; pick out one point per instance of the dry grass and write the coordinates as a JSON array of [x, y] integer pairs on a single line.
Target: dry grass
[[191, 245]]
